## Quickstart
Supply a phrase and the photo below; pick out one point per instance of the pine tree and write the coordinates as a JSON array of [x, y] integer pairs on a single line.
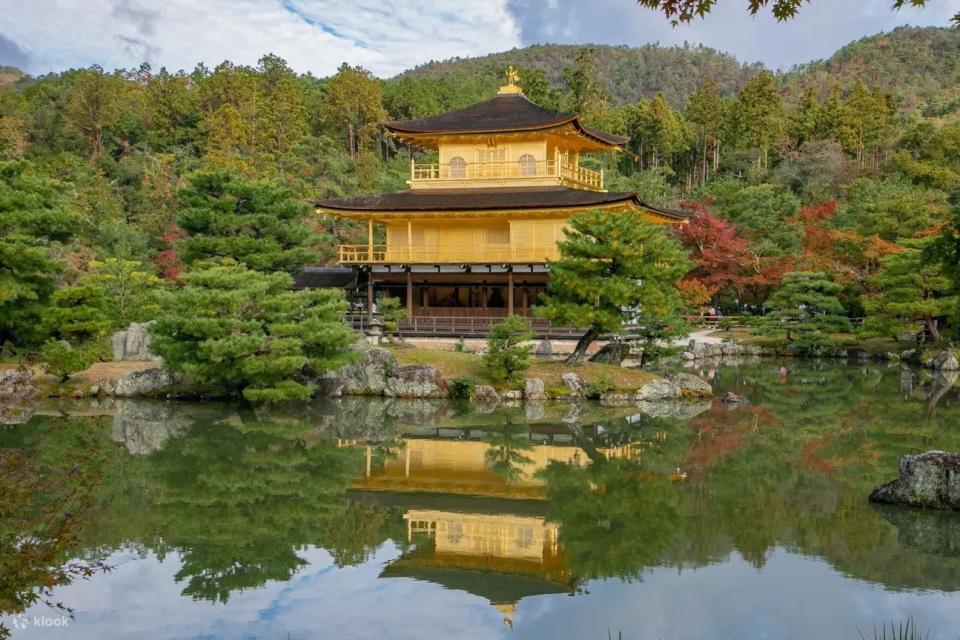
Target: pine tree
[[34, 218], [910, 290], [806, 308], [507, 355], [255, 223], [248, 332], [615, 268], [353, 105], [706, 111], [93, 107]]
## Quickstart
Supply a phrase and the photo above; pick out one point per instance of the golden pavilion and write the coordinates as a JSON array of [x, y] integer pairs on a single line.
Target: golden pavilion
[[472, 235]]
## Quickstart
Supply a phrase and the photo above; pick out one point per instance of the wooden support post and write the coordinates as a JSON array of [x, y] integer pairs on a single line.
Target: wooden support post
[[369, 459], [510, 292], [370, 295], [370, 240], [409, 295], [409, 240]]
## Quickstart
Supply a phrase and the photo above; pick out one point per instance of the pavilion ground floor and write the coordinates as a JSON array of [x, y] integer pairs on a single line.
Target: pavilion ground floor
[[452, 299]]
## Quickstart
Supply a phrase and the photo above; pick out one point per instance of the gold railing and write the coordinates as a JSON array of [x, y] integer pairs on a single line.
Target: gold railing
[[507, 170], [472, 254]]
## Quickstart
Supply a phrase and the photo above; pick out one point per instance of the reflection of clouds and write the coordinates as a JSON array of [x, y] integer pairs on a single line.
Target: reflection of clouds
[[141, 599], [792, 596]]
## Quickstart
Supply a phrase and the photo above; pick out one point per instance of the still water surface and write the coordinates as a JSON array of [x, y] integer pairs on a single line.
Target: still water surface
[[365, 518]]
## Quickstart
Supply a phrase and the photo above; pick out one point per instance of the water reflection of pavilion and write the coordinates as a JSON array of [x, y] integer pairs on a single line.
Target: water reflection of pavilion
[[461, 461], [474, 528]]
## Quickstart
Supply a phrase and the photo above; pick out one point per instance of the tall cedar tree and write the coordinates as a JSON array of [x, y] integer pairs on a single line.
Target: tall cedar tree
[[256, 223], [34, 218], [614, 268], [248, 333], [911, 291], [806, 308]]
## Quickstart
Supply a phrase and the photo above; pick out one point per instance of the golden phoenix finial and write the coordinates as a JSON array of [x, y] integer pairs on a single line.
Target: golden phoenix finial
[[512, 78]]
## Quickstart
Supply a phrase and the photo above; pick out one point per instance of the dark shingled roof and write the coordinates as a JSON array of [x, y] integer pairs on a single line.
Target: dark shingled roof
[[512, 112], [324, 277], [490, 198]]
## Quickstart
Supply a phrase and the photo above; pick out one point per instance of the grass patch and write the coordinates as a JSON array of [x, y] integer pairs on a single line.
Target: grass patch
[[467, 365]]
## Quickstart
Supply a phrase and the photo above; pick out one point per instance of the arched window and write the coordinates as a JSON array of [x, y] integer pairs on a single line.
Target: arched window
[[528, 165], [458, 167]]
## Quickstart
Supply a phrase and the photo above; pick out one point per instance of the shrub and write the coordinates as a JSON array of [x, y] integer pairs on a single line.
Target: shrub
[[506, 356], [603, 384], [62, 359], [462, 387]]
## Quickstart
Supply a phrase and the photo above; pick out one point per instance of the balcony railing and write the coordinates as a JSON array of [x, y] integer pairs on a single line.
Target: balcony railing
[[533, 171], [449, 254]]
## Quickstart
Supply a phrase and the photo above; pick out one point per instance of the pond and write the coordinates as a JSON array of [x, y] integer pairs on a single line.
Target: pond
[[361, 518]]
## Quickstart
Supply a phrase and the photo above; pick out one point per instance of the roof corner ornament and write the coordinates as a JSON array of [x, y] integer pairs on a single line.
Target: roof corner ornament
[[511, 87]]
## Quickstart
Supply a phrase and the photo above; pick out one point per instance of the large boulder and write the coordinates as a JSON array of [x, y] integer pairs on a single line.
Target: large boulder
[[612, 353], [417, 381], [368, 377], [931, 479], [943, 360], [658, 389], [576, 385], [132, 344], [544, 349], [16, 386], [148, 383], [485, 394], [691, 386], [533, 390]]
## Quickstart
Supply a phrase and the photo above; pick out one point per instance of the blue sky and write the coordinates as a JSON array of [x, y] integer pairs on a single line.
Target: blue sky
[[388, 36]]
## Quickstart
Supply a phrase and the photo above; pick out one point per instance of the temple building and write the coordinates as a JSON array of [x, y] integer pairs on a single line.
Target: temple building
[[472, 236]]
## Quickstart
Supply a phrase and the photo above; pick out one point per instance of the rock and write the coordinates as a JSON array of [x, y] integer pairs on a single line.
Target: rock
[[544, 349], [533, 390], [911, 356], [935, 533], [615, 399], [931, 479], [943, 360], [512, 395], [574, 383], [753, 350], [367, 377], [149, 383], [485, 394], [416, 381], [691, 386], [16, 386], [611, 353], [734, 398], [659, 389], [132, 344], [730, 349]]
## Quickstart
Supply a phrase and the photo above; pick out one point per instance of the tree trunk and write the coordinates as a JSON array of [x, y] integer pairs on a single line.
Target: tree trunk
[[582, 345], [932, 328]]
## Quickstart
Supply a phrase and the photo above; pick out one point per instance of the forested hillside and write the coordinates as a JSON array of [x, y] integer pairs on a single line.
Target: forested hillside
[[628, 73], [845, 168]]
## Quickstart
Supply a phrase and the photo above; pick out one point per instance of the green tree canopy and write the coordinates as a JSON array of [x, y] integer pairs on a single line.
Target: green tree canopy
[[806, 308], [34, 219], [255, 223], [248, 333], [615, 268]]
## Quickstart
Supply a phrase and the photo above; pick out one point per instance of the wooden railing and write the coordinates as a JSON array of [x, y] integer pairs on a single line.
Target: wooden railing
[[579, 176], [449, 254], [463, 326]]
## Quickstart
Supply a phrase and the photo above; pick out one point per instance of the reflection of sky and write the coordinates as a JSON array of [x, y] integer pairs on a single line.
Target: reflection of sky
[[791, 597]]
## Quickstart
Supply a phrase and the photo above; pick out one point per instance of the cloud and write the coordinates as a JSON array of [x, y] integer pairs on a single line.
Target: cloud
[[12, 54], [385, 36], [821, 27]]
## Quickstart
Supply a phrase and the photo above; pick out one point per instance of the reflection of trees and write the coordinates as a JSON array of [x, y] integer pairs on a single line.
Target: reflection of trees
[[239, 499], [49, 474], [791, 470], [506, 443]]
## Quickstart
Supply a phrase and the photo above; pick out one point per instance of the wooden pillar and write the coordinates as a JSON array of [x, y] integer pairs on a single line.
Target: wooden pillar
[[409, 295], [406, 465], [370, 295], [370, 240], [369, 459], [510, 292], [409, 240]]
